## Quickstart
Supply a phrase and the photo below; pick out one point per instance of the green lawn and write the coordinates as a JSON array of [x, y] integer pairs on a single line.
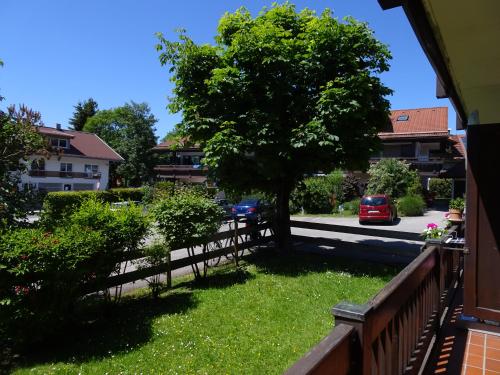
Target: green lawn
[[258, 320]]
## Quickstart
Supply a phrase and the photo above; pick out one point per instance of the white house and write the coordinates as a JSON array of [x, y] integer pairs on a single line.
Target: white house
[[80, 161]]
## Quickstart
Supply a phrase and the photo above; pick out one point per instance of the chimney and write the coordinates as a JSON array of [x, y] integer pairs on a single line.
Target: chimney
[[58, 126]]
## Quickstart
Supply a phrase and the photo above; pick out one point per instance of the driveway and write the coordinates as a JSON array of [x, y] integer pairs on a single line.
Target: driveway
[[369, 247]]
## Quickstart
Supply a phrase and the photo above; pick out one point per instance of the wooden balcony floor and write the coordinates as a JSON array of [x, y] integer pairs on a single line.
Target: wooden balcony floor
[[464, 351]]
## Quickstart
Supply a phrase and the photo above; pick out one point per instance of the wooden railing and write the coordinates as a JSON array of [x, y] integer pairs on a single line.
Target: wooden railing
[[393, 332], [232, 242]]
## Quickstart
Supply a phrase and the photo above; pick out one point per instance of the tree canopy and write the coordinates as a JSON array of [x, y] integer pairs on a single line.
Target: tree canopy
[[130, 131], [393, 177], [83, 111], [18, 140], [280, 95]]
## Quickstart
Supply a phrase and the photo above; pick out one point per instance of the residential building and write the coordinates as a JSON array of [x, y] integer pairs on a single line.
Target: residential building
[[180, 161], [77, 161]]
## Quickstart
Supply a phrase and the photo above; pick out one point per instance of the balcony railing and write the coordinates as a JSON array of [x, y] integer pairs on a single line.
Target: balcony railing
[[393, 332], [181, 170], [88, 175]]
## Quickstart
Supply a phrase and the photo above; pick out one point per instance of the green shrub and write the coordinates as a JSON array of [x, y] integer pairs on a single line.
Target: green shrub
[[440, 187], [42, 272], [350, 188], [353, 206], [187, 218], [318, 195], [57, 205], [393, 177], [411, 205], [457, 204]]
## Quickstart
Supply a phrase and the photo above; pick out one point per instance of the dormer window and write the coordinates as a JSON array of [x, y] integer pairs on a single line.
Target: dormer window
[[403, 118], [59, 142]]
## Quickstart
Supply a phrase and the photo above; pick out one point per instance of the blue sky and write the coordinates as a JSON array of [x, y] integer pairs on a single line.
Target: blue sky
[[58, 52]]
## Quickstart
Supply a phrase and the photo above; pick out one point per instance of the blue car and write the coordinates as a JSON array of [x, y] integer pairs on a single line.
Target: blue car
[[250, 209]]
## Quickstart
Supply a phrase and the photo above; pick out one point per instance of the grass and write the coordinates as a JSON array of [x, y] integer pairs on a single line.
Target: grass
[[258, 319]]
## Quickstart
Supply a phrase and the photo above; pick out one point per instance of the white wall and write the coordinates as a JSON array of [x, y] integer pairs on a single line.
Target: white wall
[[54, 164]]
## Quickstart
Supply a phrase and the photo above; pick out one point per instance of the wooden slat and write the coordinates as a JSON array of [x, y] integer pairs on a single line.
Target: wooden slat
[[408, 236], [333, 355]]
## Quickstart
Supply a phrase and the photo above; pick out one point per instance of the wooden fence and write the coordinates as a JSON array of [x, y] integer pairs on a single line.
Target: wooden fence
[[394, 331], [232, 242]]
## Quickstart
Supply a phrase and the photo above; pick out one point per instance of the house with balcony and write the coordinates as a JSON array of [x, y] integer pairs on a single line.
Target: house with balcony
[[180, 161], [441, 314], [420, 137], [76, 161]]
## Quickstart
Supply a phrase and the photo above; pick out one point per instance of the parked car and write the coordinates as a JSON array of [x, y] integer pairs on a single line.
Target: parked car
[[251, 209], [378, 207]]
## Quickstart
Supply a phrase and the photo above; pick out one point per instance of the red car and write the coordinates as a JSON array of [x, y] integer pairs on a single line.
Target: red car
[[377, 208]]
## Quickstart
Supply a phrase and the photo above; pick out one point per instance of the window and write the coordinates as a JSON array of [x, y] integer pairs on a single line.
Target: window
[[66, 167], [59, 142], [403, 118], [91, 168]]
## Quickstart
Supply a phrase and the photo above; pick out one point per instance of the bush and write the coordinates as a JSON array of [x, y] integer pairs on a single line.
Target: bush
[[42, 272], [440, 187], [57, 205], [350, 188], [393, 177], [318, 195], [187, 218], [411, 205], [353, 206]]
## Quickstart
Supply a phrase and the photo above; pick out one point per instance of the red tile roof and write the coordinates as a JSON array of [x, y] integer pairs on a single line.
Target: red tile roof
[[457, 144], [83, 144], [421, 122]]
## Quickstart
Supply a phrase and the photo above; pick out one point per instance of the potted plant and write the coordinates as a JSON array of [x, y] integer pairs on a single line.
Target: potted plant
[[456, 209], [433, 233]]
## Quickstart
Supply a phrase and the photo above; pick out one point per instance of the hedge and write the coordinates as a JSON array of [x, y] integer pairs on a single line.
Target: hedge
[[441, 187], [58, 204], [411, 205]]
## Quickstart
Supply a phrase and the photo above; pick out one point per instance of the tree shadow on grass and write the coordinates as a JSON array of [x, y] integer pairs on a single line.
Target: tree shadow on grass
[[295, 264], [121, 327], [224, 276]]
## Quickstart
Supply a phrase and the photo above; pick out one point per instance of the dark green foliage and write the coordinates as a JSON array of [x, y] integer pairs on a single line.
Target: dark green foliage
[[350, 188], [457, 204], [130, 131], [18, 140], [280, 96], [57, 205], [317, 195], [187, 218], [393, 177], [42, 272], [411, 205], [353, 206], [83, 111], [440, 187]]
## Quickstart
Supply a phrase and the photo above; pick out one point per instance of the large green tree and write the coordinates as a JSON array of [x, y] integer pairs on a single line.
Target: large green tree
[[83, 111], [130, 131], [18, 140], [280, 95]]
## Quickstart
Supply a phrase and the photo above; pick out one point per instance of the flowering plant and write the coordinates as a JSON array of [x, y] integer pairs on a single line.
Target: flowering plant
[[433, 231]]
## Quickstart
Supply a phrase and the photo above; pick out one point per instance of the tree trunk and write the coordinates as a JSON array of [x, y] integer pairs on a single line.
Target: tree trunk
[[282, 220]]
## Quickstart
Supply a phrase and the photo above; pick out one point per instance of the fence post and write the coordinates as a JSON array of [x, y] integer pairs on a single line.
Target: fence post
[[236, 242], [169, 270]]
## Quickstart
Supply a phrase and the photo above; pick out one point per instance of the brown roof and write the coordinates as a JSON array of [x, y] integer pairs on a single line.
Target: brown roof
[[83, 144], [457, 144], [420, 122]]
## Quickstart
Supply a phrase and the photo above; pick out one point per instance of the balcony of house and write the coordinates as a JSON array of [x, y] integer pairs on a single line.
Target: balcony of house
[[63, 174], [414, 325]]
